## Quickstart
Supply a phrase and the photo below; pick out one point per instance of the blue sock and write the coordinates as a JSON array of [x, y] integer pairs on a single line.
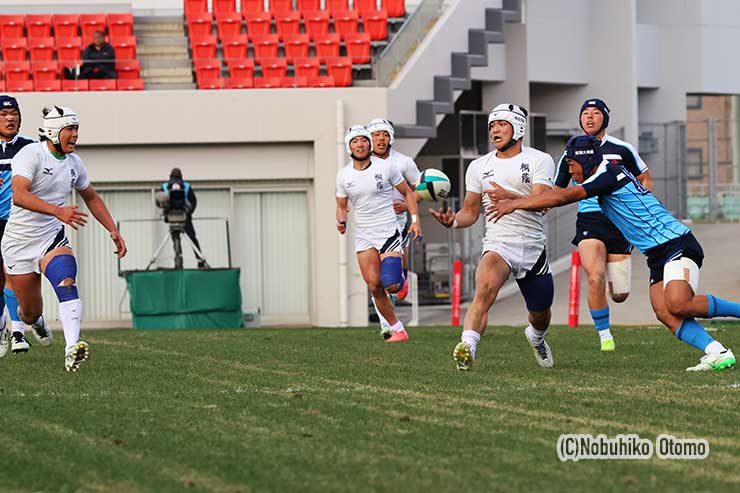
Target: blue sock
[[12, 302], [722, 308], [692, 333], [601, 318]]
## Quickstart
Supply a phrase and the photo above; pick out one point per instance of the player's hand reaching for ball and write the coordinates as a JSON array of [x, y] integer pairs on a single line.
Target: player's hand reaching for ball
[[120, 244], [71, 215], [445, 218]]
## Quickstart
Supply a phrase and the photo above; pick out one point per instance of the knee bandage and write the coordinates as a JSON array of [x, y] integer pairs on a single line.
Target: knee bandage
[[681, 269], [619, 276], [57, 270], [391, 272]]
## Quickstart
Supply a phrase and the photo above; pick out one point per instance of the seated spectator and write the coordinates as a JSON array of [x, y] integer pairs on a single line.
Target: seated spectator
[[98, 61]]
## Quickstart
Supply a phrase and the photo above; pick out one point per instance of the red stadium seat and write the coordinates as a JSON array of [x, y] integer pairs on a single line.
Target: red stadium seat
[[69, 50], [224, 7], [14, 49], [293, 82], [267, 82], [280, 6], [273, 67], [75, 85], [345, 22], [38, 26], [327, 45], [358, 47], [309, 4], [125, 47], [195, 7], [395, 8], [365, 5], [287, 23], [89, 23], [66, 25], [229, 25], [211, 83], [252, 6], [265, 45], [241, 69], [203, 48], [54, 85], [2, 85], [258, 22], [337, 5], [17, 71], [234, 46], [341, 69], [128, 69], [11, 26], [316, 23], [120, 25], [296, 46], [321, 81], [102, 84], [19, 85], [376, 23], [130, 85], [239, 83], [44, 70], [207, 69], [200, 25], [307, 67], [41, 49]]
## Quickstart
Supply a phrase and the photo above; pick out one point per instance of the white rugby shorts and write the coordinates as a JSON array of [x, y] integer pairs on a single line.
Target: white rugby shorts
[[24, 256], [384, 239], [522, 256]]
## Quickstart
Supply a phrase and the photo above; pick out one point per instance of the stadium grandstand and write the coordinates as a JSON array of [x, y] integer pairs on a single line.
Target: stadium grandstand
[[251, 98]]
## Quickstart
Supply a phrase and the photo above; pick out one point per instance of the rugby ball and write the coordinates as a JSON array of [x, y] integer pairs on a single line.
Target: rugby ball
[[433, 185]]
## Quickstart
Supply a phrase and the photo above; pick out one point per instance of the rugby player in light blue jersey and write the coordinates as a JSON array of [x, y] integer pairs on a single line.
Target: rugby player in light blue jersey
[[674, 256]]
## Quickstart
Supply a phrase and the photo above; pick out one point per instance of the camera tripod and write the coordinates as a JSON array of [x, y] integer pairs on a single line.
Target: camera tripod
[[175, 234]]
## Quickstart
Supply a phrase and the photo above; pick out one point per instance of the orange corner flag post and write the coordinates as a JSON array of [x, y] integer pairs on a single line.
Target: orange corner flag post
[[575, 289], [456, 285]]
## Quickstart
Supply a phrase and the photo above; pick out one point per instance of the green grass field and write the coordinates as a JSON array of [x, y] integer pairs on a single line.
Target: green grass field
[[340, 410]]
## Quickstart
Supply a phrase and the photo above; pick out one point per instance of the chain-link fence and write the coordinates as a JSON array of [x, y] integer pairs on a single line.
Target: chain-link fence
[[663, 148]]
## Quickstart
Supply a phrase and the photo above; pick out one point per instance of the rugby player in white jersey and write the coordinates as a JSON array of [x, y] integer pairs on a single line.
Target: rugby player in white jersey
[[34, 243], [515, 248], [367, 183], [383, 139]]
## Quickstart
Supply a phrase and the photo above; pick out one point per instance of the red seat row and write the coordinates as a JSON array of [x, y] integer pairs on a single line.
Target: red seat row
[[71, 85], [295, 46], [395, 8], [314, 23], [340, 69], [267, 82], [50, 70], [67, 49], [66, 25]]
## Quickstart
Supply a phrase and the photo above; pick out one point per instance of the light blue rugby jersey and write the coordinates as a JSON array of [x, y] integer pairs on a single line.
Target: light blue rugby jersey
[[8, 150], [641, 218], [616, 152]]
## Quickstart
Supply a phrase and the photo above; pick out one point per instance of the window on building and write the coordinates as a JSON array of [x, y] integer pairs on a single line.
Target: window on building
[[693, 102], [695, 163]]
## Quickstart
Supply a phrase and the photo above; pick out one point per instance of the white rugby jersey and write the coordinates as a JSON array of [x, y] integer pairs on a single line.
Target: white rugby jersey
[[517, 174], [51, 180], [370, 192]]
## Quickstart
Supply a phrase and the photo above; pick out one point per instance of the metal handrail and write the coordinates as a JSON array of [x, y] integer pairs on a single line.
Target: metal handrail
[[402, 46]]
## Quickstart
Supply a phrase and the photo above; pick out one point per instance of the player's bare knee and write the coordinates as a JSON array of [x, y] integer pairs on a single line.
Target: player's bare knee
[[679, 308], [376, 289]]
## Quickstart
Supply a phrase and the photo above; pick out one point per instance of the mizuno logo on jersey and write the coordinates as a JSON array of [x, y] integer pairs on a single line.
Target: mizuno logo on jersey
[[47, 171], [349, 184], [488, 174]]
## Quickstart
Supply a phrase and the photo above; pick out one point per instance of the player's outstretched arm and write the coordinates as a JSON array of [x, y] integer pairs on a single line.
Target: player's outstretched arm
[[550, 198], [23, 197], [100, 211], [646, 179], [465, 217], [342, 214]]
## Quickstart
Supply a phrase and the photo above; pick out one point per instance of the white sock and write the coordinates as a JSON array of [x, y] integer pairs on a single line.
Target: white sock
[[17, 326], [398, 327], [714, 347], [605, 334], [70, 313], [535, 336], [381, 318], [471, 338]]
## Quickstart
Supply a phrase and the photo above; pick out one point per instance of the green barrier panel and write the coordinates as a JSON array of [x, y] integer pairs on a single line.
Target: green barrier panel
[[185, 299]]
